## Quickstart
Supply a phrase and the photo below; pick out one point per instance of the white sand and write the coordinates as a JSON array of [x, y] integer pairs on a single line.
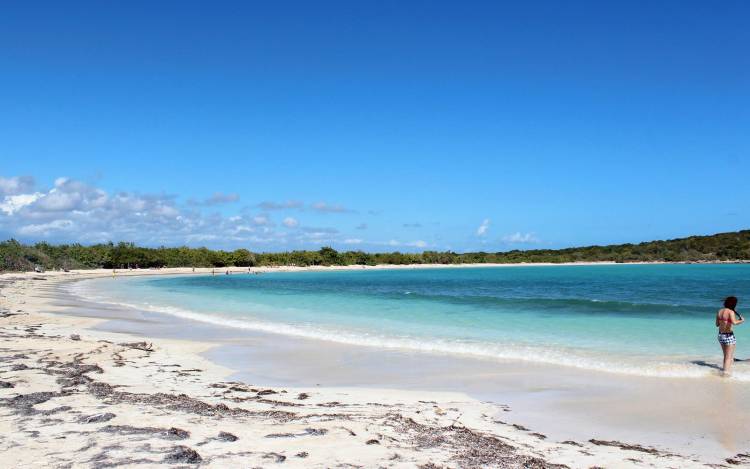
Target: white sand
[[363, 427]]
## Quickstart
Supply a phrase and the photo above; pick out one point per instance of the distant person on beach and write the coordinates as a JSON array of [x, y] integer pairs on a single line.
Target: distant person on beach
[[725, 319]]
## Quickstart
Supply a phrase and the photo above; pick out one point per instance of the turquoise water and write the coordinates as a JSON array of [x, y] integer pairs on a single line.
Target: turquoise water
[[651, 320]]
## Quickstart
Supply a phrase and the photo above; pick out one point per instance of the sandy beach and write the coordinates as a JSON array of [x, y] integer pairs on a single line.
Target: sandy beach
[[86, 385]]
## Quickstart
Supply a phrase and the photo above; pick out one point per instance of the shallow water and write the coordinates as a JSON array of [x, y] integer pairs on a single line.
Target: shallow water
[[649, 320]]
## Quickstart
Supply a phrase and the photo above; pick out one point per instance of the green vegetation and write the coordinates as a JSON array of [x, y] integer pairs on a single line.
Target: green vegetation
[[16, 256]]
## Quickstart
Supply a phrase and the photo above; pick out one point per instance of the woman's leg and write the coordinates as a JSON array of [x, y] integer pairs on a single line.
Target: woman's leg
[[728, 357]]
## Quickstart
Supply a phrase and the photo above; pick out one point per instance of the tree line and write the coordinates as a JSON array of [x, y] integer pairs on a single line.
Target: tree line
[[16, 256]]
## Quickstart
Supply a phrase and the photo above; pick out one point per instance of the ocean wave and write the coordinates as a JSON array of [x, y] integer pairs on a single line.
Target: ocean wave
[[562, 356], [550, 305]]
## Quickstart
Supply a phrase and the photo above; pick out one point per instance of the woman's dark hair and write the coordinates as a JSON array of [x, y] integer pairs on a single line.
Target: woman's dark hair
[[730, 302]]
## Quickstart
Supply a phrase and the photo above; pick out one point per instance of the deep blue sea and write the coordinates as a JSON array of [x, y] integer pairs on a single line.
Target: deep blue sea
[[650, 320]]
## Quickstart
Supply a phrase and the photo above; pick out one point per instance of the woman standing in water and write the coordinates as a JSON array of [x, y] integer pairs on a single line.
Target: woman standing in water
[[725, 319]]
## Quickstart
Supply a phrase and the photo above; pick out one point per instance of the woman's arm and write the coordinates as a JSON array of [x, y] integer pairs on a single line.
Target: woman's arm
[[736, 321]]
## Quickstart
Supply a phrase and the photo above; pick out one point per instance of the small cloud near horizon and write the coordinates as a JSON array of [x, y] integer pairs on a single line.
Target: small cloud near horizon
[[289, 204], [320, 207], [221, 198], [521, 238], [324, 207], [412, 244], [290, 222], [483, 228], [261, 220], [217, 198]]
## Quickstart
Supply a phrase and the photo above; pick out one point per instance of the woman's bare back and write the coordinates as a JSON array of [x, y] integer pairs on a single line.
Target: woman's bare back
[[724, 320]]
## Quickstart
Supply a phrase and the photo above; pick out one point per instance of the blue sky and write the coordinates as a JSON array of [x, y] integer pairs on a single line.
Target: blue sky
[[373, 125]]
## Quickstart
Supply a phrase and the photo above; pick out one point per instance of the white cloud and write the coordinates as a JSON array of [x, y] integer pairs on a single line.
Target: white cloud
[[201, 237], [521, 238], [484, 227], [73, 211], [320, 207], [289, 204], [396, 243], [261, 220], [239, 229], [315, 235], [13, 203], [58, 201], [221, 198], [45, 229], [16, 185], [165, 211], [318, 235], [70, 195], [310, 229], [290, 222], [328, 208], [353, 241]]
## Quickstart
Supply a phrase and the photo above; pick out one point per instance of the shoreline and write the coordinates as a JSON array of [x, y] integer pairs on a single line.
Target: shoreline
[[318, 268], [591, 363], [426, 413]]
